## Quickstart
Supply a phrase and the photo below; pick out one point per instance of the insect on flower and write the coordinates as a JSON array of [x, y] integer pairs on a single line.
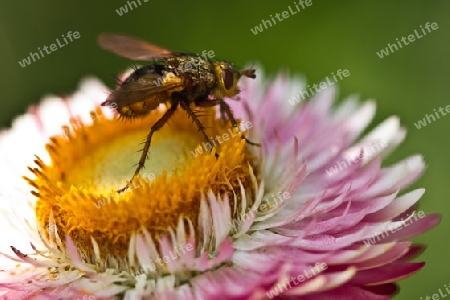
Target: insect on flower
[[177, 79]]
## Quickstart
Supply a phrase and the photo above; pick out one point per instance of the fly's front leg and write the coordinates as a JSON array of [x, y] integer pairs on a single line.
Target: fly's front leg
[[224, 110], [197, 121]]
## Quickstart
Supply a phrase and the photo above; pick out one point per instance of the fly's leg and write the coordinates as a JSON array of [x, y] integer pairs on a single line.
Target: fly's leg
[[160, 123], [224, 109], [197, 121]]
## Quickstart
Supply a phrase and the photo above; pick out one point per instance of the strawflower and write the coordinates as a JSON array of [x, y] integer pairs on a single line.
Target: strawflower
[[252, 223]]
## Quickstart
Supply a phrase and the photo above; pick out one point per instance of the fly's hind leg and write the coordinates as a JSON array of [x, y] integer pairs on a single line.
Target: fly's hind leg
[[160, 123], [224, 109]]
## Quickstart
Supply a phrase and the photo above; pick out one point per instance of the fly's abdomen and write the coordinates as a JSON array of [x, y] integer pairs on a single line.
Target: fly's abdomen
[[142, 107]]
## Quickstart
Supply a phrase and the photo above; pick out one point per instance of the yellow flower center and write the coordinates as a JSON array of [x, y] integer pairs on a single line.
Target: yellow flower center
[[89, 163]]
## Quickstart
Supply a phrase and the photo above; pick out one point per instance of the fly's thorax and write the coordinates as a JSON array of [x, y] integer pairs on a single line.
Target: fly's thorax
[[191, 64], [195, 72], [197, 69]]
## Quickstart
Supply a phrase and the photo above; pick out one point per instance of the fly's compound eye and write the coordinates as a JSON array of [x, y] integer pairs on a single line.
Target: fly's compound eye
[[228, 78]]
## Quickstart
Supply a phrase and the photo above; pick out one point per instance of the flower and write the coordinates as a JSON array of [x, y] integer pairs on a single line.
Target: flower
[[285, 218]]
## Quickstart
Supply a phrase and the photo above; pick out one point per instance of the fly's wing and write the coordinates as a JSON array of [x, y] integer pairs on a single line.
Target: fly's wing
[[131, 47], [152, 88]]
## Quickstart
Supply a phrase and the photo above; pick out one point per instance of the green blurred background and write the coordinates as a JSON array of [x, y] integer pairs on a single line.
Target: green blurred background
[[326, 36]]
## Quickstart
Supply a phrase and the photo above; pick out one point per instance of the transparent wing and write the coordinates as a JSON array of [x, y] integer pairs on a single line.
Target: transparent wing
[[147, 86], [131, 47]]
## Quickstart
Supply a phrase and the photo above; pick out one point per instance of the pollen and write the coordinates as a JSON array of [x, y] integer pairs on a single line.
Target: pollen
[[77, 190]]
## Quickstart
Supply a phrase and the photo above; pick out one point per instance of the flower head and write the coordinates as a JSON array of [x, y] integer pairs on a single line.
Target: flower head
[[311, 213]]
